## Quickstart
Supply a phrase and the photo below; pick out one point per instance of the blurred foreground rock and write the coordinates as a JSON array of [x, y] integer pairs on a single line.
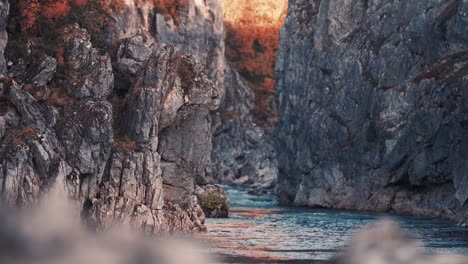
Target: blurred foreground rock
[[386, 243], [62, 238]]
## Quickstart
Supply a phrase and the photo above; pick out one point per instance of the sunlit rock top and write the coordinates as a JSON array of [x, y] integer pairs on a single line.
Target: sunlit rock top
[[261, 13]]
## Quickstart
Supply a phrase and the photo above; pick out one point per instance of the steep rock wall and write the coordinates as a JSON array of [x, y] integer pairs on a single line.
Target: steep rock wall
[[373, 105], [4, 9], [129, 152]]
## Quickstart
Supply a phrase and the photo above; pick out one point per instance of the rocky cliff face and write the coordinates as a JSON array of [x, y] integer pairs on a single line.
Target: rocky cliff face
[[197, 27], [127, 151], [374, 106]]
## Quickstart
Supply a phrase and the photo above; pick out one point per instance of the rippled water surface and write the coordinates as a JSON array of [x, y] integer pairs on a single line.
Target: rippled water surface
[[258, 230]]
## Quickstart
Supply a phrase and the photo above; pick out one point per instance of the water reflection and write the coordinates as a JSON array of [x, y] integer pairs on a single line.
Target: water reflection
[[260, 231]]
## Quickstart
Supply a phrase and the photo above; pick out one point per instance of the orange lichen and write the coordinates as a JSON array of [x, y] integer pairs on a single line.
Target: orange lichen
[[252, 38]]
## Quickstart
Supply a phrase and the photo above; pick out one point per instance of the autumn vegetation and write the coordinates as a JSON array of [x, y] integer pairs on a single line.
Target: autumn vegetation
[[252, 38], [252, 29], [40, 23]]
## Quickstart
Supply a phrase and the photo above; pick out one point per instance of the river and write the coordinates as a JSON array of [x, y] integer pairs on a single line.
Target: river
[[260, 231]]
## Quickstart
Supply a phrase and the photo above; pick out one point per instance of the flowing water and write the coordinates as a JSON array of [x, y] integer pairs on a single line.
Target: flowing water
[[260, 231]]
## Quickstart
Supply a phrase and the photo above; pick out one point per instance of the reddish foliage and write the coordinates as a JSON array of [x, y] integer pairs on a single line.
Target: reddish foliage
[[171, 8], [29, 12], [35, 11], [252, 39], [60, 56], [253, 53], [125, 143], [80, 2], [58, 97], [55, 10], [22, 134]]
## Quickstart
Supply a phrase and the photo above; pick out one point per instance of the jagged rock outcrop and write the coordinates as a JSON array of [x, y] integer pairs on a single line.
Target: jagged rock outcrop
[[242, 151], [198, 28], [373, 101], [132, 157]]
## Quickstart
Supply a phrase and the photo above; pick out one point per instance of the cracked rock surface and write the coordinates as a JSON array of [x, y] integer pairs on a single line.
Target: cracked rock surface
[[130, 156], [373, 105]]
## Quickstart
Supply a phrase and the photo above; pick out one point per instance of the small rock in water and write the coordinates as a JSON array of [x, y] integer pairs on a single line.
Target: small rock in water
[[213, 200], [258, 191]]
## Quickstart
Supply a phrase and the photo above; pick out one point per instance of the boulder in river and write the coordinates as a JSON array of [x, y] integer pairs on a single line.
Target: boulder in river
[[213, 200]]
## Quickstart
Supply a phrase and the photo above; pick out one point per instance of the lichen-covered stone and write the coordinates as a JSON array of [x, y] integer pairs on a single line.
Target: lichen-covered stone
[[213, 201], [89, 74]]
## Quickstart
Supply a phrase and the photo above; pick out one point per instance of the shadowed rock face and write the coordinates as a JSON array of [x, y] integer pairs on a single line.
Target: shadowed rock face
[[373, 105], [4, 10], [242, 151]]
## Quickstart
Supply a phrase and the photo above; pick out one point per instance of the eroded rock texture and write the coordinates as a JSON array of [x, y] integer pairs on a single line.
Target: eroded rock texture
[[374, 106], [242, 152], [197, 27], [129, 154]]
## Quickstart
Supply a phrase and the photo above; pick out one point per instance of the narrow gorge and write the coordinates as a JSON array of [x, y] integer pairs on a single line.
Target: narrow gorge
[[270, 130]]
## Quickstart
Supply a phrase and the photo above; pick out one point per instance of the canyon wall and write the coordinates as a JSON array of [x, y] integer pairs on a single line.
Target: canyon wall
[[124, 132], [373, 103]]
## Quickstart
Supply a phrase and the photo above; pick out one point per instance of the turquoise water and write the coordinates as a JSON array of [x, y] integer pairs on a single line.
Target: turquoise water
[[261, 231]]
